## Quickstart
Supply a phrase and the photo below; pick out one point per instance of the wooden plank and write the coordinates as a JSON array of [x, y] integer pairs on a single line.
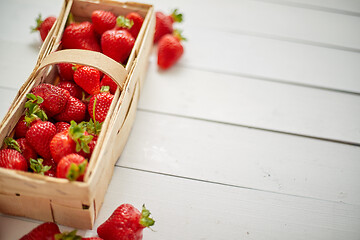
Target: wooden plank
[[243, 157], [272, 20], [254, 103], [271, 59], [200, 212]]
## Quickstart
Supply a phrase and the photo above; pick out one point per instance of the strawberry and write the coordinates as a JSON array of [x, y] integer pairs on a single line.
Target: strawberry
[[12, 159], [55, 98], [70, 141], [99, 105], [107, 81], [73, 89], [80, 36], [72, 167], [117, 44], [169, 50], [125, 223], [61, 126], [92, 238], [66, 71], [88, 78], [21, 146], [52, 171], [45, 231], [44, 26], [103, 21], [38, 166], [72, 236], [21, 128], [39, 136], [74, 110], [137, 23], [164, 23]]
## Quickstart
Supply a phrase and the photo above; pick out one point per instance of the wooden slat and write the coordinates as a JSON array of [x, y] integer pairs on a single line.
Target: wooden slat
[[254, 103], [196, 210], [273, 20], [271, 59], [243, 157]]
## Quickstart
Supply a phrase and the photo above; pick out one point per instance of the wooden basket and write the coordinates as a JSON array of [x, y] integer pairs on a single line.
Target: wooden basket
[[76, 204]]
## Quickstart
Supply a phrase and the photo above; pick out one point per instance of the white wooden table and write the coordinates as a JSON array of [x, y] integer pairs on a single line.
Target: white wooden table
[[254, 134]]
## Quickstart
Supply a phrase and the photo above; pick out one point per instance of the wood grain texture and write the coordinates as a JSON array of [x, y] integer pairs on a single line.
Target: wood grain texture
[[255, 103]]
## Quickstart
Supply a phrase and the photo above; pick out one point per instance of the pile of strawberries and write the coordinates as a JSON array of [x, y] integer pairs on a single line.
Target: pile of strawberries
[[125, 223], [59, 130]]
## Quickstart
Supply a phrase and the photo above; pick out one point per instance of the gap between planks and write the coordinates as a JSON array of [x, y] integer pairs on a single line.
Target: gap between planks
[[251, 127]]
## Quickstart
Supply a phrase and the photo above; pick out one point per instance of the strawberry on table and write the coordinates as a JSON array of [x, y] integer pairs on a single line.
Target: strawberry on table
[[39, 136], [117, 44], [73, 89], [99, 105], [103, 21], [72, 167], [55, 98], [75, 110], [164, 23], [44, 26], [66, 71], [12, 159], [169, 50], [45, 231], [125, 223], [80, 36], [88, 78]]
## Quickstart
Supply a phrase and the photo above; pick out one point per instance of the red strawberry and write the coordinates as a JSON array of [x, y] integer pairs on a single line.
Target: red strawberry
[[73, 89], [88, 78], [100, 103], [74, 110], [163, 26], [26, 150], [92, 238], [55, 98], [21, 127], [169, 50], [61, 126], [44, 26], [125, 223], [72, 167], [73, 236], [107, 81], [45, 231], [39, 136], [52, 171], [137, 20], [73, 140], [117, 44], [12, 159], [103, 21], [80, 36], [175, 16], [66, 71]]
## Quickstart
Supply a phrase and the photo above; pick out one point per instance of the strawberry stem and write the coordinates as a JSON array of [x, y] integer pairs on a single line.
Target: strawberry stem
[[77, 133], [123, 22], [178, 34], [39, 21], [68, 236], [12, 143], [75, 171], [176, 16], [33, 109], [146, 220], [37, 166]]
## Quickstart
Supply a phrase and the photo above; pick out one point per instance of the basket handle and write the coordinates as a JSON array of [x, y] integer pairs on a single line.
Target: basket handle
[[89, 58]]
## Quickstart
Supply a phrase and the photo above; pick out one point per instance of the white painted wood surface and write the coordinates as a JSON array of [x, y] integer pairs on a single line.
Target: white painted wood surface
[[215, 151]]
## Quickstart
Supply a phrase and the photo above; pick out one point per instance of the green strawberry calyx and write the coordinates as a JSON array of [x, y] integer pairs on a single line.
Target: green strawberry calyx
[[105, 89], [91, 127], [34, 111], [77, 133], [76, 170], [68, 236], [37, 166], [177, 33], [176, 16], [39, 21], [124, 22], [145, 219], [12, 143]]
